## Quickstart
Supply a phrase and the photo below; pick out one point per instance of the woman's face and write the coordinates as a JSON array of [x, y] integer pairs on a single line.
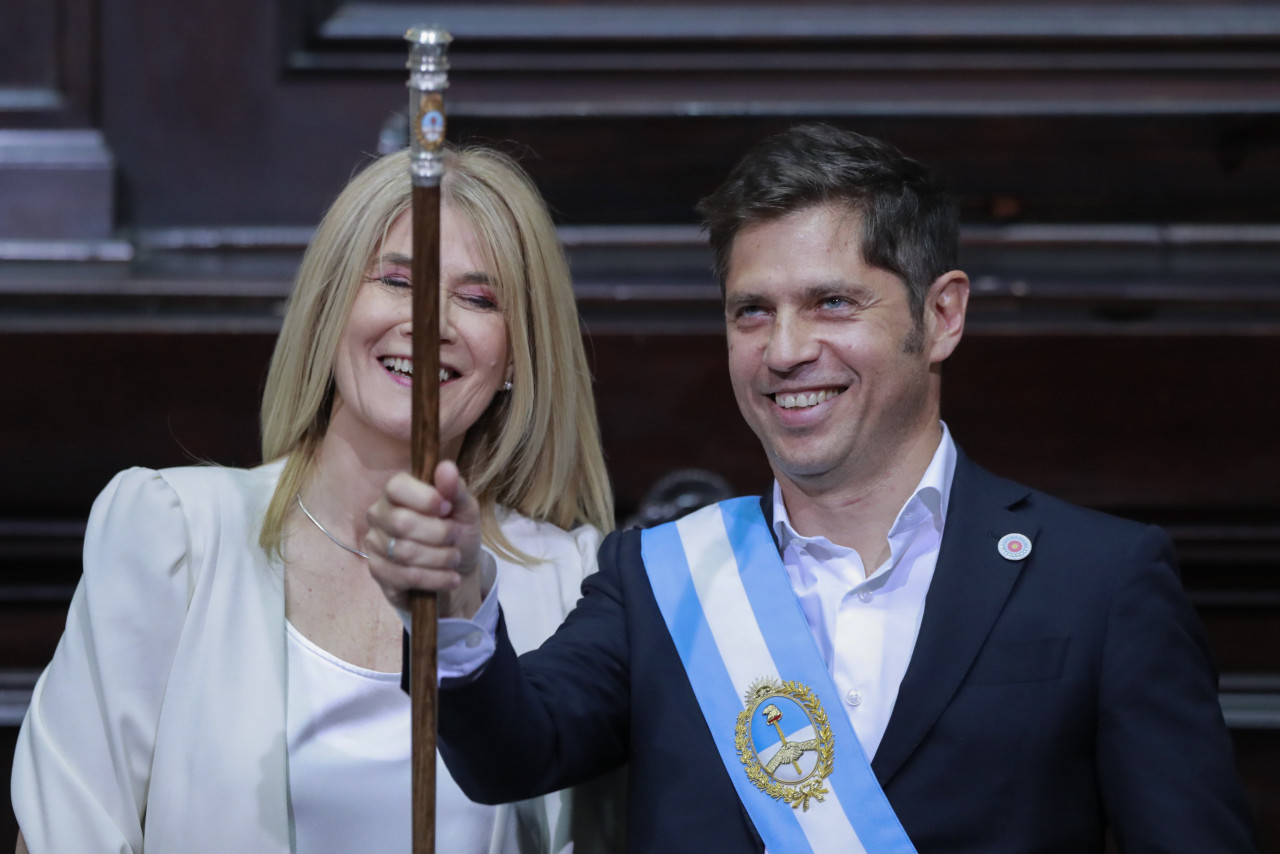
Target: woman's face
[[374, 359]]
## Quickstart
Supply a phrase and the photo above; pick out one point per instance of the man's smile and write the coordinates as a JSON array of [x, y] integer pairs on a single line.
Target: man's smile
[[805, 398]]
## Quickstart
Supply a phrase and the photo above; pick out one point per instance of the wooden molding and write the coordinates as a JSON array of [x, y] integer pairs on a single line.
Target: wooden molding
[[822, 59], [1136, 279], [48, 59], [56, 185]]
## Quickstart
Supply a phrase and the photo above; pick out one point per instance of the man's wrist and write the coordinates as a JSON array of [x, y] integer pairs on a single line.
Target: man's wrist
[[463, 602]]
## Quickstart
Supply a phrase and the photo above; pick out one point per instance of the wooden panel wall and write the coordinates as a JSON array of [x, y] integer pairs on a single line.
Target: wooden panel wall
[[161, 166], [48, 63]]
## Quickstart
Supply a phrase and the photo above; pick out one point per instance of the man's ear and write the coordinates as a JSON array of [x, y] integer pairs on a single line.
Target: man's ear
[[944, 310]]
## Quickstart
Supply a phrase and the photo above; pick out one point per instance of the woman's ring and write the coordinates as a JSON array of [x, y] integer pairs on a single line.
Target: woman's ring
[[391, 549]]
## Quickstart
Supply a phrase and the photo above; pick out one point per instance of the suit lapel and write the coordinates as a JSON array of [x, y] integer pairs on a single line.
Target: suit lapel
[[970, 587]]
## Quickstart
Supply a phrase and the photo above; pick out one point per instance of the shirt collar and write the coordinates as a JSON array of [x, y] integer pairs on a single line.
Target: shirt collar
[[927, 502]]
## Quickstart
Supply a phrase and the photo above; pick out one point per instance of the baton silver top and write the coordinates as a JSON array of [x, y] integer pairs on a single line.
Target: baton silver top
[[428, 62], [428, 35], [428, 77]]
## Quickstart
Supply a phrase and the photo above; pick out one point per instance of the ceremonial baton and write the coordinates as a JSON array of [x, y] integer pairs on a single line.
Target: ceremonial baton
[[428, 76]]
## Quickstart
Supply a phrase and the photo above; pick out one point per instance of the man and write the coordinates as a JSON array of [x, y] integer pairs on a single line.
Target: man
[[1020, 674]]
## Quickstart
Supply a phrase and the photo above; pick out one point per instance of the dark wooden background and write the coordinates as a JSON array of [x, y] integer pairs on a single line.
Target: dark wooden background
[[1118, 165]]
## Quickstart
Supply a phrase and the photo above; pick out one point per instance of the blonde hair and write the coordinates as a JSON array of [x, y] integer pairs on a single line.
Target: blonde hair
[[536, 448]]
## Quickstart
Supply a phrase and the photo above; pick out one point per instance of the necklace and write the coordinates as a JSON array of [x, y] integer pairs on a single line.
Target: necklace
[[325, 530]]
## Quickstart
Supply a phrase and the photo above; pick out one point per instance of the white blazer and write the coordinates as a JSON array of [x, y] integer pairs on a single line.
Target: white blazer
[[160, 722]]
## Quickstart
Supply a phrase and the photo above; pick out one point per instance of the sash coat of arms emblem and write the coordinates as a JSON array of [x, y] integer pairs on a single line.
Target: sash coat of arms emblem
[[785, 741]]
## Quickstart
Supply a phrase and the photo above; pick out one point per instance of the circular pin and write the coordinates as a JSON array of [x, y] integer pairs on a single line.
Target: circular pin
[[1014, 547]]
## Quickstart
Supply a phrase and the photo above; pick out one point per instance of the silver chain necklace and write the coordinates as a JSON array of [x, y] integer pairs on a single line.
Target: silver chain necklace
[[325, 530]]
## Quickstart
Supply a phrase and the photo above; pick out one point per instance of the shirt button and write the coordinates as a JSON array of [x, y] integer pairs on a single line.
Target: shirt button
[[854, 697], [864, 595], [474, 638]]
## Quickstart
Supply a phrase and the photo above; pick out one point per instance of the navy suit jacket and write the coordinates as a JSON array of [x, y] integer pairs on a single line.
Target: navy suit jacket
[[1046, 700]]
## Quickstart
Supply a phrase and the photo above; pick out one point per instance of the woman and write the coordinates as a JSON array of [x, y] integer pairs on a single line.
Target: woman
[[228, 678]]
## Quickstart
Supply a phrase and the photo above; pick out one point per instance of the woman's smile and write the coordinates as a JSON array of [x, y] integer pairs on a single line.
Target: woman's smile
[[473, 340]]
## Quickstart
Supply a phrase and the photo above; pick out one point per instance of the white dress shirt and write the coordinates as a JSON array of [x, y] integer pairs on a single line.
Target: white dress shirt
[[865, 626]]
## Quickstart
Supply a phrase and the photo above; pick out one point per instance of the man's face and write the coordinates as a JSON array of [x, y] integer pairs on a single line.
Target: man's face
[[818, 350]]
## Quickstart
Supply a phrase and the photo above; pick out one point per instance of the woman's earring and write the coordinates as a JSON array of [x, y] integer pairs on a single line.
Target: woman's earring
[[506, 386]]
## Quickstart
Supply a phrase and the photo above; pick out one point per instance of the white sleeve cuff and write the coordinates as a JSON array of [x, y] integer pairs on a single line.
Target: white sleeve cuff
[[465, 646]]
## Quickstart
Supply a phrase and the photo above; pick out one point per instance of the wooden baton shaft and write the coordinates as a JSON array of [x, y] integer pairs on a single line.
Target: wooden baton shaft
[[428, 66], [425, 456]]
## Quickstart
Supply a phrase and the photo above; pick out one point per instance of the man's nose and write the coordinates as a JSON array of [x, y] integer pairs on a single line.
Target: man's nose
[[791, 344]]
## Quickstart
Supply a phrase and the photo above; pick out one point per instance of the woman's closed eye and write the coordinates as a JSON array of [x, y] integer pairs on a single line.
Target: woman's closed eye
[[393, 270], [480, 298], [395, 280]]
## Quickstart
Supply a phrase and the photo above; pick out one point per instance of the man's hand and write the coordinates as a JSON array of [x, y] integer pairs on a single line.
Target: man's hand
[[425, 537]]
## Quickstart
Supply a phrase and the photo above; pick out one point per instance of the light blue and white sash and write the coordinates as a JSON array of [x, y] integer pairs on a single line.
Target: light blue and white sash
[[763, 686]]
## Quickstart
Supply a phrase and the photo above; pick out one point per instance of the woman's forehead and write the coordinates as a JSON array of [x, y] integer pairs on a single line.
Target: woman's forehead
[[463, 244]]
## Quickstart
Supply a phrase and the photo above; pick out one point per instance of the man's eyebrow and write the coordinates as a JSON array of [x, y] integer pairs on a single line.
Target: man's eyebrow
[[815, 292], [740, 299], [838, 287]]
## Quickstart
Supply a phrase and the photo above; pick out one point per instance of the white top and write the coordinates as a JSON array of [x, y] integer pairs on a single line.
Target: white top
[[866, 627], [350, 777], [161, 720]]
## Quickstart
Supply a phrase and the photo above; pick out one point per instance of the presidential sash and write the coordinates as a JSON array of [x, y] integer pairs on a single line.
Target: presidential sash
[[763, 686]]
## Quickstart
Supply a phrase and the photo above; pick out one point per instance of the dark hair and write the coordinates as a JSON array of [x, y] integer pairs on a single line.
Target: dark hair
[[909, 222]]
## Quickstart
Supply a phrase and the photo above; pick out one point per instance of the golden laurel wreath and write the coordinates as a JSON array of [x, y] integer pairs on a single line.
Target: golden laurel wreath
[[799, 794]]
